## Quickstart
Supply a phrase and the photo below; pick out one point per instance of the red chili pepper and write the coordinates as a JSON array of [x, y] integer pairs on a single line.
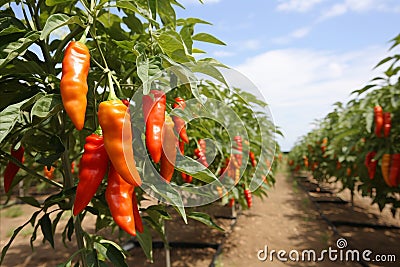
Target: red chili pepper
[[180, 125], [92, 168], [126, 102], [119, 197], [12, 169], [247, 196], [253, 159], [378, 120], [387, 124], [168, 155], [154, 105], [231, 202], [371, 164], [201, 153], [394, 170]]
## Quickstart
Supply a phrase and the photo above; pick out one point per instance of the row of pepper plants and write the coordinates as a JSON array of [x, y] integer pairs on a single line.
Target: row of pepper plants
[[101, 106], [358, 142]]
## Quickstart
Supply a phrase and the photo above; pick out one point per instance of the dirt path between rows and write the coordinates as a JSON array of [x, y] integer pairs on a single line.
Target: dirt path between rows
[[284, 221]]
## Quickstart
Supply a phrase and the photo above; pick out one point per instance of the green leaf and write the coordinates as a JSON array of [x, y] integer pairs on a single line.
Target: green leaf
[[45, 226], [186, 33], [56, 21], [31, 201], [56, 2], [112, 252], [204, 218], [166, 12], [208, 38], [10, 116], [14, 49], [208, 69], [191, 21], [47, 106], [145, 241], [195, 169], [172, 45]]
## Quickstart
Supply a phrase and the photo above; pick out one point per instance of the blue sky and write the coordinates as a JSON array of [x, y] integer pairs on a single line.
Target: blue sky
[[303, 55]]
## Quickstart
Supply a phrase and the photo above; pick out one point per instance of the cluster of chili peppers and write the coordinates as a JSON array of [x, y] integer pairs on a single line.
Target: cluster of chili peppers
[[383, 122], [103, 148]]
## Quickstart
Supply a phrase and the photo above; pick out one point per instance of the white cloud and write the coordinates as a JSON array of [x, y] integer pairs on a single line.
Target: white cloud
[[296, 34], [301, 85], [297, 5], [359, 6]]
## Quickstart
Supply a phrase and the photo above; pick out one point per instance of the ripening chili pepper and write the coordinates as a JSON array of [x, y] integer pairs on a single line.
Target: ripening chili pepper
[[385, 167], [92, 168], [12, 169], [154, 105], [394, 170], [49, 173], [387, 124], [247, 196], [116, 125], [180, 125], [231, 202], [168, 155], [371, 163], [291, 162], [348, 171], [252, 159], [119, 197], [201, 156], [378, 114], [73, 85]]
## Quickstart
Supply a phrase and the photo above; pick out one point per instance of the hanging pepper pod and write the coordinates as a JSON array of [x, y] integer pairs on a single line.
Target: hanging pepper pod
[[119, 197], [12, 169], [92, 168], [154, 106], [116, 125], [378, 116], [168, 155], [180, 125], [387, 124], [73, 85]]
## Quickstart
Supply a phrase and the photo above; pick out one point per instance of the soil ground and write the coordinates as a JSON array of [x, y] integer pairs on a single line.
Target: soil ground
[[287, 220]]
